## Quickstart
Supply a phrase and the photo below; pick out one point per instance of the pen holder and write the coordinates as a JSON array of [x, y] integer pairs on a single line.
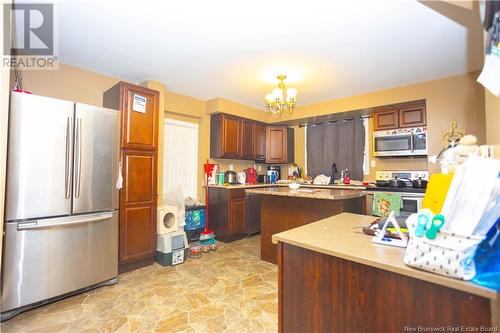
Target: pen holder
[[448, 254]]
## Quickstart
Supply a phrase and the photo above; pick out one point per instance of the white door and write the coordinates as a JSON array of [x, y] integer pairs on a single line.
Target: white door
[[180, 159]]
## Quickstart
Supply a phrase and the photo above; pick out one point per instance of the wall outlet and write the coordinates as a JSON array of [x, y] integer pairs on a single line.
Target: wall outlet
[[259, 168], [373, 163]]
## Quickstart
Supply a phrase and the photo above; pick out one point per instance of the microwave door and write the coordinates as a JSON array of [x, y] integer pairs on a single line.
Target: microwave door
[[419, 144], [393, 145]]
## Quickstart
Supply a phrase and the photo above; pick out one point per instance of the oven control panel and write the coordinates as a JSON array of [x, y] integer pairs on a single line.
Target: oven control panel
[[391, 174]]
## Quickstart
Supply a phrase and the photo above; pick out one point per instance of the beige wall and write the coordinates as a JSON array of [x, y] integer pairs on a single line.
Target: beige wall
[[458, 98]]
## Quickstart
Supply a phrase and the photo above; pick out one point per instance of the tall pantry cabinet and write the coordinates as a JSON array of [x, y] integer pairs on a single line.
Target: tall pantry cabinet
[[138, 108]]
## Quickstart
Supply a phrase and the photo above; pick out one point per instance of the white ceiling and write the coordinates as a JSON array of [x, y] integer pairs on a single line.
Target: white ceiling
[[234, 49]]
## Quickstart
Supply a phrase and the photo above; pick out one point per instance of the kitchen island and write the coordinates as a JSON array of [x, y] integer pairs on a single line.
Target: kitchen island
[[283, 209], [332, 278]]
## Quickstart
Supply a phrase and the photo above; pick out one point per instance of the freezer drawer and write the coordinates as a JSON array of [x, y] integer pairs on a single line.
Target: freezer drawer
[[50, 257]]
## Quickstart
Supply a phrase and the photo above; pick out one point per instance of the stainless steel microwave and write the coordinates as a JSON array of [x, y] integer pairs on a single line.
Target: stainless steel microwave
[[400, 142]]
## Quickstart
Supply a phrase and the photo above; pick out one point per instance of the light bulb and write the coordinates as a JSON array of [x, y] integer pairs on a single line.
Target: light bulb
[[269, 98], [291, 93], [278, 94]]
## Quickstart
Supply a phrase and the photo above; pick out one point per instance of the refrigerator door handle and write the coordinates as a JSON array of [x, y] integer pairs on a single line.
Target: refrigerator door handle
[[78, 156], [58, 222], [67, 182]]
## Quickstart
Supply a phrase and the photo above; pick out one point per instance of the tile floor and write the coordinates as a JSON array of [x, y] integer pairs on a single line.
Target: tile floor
[[230, 290]]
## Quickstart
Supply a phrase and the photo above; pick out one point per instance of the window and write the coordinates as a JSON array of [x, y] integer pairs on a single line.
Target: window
[[339, 142], [180, 159]]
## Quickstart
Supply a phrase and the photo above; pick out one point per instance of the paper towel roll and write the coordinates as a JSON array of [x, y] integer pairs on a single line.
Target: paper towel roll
[[168, 219]]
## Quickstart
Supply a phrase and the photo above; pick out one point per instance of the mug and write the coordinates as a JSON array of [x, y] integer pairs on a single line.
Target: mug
[[273, 175]]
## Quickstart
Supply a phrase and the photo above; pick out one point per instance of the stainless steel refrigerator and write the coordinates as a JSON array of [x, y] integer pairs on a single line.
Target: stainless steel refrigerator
[[61, 220]]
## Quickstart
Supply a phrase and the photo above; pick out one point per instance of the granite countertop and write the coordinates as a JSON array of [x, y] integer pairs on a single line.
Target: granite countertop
[[336, 186], [324, 193], [341, 236]]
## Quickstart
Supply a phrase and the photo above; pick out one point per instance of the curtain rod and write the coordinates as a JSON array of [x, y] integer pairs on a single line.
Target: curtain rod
[[334, 121]]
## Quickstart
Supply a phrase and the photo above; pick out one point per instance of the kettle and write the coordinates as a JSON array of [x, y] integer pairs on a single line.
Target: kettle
[[230, 177]]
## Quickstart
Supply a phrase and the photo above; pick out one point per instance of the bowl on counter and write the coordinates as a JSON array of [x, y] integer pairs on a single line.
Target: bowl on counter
[[294, 186]]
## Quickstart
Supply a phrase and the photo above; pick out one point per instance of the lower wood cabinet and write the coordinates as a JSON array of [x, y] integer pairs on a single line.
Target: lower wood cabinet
[[237, 215], [137, 209], [227, 213], [253, 218]]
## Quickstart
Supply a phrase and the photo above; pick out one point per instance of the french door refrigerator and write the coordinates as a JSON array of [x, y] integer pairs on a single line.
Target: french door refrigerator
[[61, 217]]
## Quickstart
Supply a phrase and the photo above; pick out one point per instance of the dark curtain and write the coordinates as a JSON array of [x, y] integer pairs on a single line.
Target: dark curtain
[[341, 142]]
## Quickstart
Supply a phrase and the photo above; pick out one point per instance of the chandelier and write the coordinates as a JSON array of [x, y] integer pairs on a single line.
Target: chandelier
[[281, 99]]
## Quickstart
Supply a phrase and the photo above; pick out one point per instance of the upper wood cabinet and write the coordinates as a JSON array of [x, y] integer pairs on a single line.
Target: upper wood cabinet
[[139, 107], [247, 139], [260, 142], [412, 116], [386, 119], [409, 114], [279, 144], [225, 136]]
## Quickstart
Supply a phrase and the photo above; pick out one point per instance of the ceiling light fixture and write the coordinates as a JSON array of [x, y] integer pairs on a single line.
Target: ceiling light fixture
[[281, 99]]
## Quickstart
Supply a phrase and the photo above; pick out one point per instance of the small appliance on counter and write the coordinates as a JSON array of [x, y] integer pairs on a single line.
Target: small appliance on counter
[[251, 175], [242, 178], [275, 168], [231, 177], [263, 179]]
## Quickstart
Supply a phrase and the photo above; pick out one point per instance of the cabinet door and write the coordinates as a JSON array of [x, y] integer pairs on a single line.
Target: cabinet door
[[230, 136], [386, 120], [276, 140], [237, 217], [253, 214], [412, 116], [140, 117], [138, 206], [247, 139], [260, 142]]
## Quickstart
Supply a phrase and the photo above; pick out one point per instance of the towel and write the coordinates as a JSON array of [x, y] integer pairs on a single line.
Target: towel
[[384, 203]]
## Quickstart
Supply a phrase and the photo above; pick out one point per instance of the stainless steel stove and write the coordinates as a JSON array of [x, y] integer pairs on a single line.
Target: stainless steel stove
[[411, 197]]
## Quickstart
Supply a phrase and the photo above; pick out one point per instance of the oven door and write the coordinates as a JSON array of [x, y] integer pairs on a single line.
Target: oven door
[[393, 144], [411, 204]]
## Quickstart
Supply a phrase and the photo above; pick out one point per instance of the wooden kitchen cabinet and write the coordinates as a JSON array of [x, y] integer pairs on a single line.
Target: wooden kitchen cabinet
[[237, 216], [412, 116], [138, 206], [386, 119], [253, 221], [227, 209], [247, 139], [407, 114], [225, 136], [260, 142], [279, 144], [138, 149]]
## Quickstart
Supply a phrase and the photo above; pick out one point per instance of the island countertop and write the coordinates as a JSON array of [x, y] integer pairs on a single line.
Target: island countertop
[[341, 236], [326, 194]]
